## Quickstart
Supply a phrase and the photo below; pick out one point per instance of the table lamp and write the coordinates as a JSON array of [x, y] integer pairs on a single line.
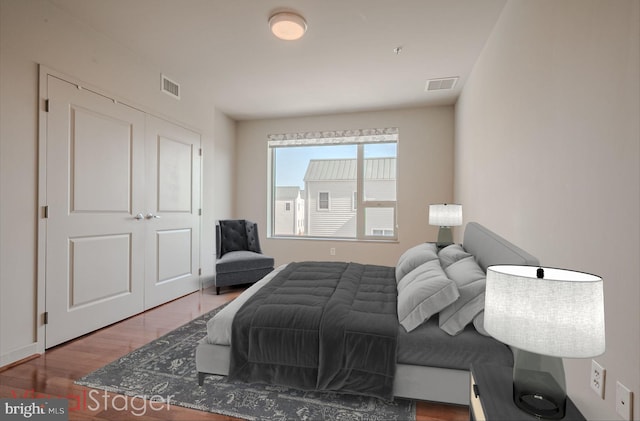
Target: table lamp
[[545, 314], [445, 216]]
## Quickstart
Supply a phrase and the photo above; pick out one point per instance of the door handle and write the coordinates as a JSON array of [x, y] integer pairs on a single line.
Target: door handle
[[139, 216], [152, 216]]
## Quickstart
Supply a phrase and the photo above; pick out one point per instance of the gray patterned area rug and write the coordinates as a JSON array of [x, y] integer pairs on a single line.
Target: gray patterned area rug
[[166, 367]]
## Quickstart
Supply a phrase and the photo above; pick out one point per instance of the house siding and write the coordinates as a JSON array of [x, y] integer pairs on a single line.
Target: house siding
[[340, 219], [337, 177]]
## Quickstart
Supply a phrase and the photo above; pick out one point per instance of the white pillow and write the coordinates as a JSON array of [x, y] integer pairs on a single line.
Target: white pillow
[[470, 280], [422, 293], [451, 254], [414, 257]]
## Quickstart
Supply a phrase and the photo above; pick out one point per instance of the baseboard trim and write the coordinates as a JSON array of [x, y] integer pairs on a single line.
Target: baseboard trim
[[208, 282], [18, 356]]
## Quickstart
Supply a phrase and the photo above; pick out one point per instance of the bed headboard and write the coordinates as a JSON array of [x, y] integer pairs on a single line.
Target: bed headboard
[[491, 249]]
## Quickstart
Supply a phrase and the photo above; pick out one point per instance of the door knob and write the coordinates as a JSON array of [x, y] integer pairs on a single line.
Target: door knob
[[152, 216], [139, 216]]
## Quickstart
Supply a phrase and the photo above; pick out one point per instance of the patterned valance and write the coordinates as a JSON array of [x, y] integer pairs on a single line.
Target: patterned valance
[[334, 137]]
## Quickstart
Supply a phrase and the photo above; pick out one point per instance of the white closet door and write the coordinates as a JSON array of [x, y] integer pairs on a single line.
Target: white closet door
[[173, 202], [95, 246]]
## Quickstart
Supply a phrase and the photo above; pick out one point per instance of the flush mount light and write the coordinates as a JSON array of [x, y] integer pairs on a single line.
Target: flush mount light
[[287, 25]]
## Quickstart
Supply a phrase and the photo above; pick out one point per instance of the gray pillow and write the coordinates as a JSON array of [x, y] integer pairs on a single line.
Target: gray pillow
[[451, 254], [414, 257], [422, 293], [471, 281]]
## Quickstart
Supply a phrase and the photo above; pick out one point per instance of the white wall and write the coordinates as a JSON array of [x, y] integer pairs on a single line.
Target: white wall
[[547, 154], [425, 175], [218, 188], [36, 32], [223, 166]]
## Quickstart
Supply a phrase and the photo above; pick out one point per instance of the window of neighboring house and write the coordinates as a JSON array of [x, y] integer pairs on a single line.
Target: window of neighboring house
[[345, 181], [323, 200], [381, 232], [287, 206]]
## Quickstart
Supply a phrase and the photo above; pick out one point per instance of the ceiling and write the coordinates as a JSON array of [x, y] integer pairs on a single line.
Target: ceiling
[[345, 62]]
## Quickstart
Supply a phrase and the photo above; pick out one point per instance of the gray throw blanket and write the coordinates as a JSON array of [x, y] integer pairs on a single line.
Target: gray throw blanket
[[328, 326]]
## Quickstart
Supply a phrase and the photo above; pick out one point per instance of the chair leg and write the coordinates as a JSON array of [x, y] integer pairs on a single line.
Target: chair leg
[[217, 290], [200, 378]]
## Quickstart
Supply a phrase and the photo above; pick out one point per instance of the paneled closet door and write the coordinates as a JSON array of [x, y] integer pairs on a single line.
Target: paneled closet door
[[173, 202], [95, 245]]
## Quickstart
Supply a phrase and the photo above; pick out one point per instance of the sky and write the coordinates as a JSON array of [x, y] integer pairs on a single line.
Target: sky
[[292, 162]]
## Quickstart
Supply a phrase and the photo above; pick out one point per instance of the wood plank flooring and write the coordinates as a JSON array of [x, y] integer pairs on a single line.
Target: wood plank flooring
[[53, 374]]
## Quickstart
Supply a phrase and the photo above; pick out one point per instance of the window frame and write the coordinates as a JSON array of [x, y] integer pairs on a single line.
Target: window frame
[[360, 138], [319, 202]]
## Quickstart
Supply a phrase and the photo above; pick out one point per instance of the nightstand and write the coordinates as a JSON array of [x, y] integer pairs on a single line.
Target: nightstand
[[491, 396]]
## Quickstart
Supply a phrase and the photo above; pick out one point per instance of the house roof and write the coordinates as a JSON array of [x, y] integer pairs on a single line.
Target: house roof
[[345, 169], [287, 192]]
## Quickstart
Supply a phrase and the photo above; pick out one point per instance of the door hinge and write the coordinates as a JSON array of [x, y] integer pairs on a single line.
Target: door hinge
[[200, 151], [45, 318], [45, 211], [46, 105], [200, 271], [200, 212]]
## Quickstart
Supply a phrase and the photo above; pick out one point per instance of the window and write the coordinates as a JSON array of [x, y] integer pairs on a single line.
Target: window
[[344, 184], [323, 200], [287, 206], [381, 232]]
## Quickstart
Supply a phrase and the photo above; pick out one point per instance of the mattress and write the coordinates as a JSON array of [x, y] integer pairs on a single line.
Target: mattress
[[428, 345]]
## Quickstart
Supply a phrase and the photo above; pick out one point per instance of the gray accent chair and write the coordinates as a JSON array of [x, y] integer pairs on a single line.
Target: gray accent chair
[[239, 258]]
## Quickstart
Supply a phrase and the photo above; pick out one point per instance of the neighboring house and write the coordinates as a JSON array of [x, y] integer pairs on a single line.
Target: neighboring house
[[330, 186], [289, 211]]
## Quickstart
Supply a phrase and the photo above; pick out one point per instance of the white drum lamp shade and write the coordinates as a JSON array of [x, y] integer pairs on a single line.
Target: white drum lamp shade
[[560, 315], [445, 215]]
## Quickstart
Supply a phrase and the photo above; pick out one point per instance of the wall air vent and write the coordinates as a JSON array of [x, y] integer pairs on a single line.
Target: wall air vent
[[169, 87], [441, 84]]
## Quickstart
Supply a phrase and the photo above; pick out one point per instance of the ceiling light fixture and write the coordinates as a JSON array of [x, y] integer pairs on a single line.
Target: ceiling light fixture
[[288, 26]]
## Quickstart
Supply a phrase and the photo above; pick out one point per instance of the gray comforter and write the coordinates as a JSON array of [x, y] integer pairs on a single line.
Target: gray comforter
[[320, 326]]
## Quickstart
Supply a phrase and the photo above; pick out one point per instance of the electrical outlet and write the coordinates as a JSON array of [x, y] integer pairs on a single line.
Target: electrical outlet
[[332, 251], [624, 402], [597, 378]]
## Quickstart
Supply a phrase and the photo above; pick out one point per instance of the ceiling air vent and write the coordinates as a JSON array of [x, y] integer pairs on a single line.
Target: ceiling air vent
[[169, 87], [441, 84]]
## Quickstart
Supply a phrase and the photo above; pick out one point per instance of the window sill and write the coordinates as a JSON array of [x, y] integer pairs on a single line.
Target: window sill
[[347, 240]]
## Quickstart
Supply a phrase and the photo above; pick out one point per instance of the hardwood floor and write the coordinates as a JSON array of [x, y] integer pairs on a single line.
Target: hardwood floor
[[53, 374]]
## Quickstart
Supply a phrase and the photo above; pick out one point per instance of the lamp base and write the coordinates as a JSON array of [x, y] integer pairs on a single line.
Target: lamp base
[[540, 396], [539, 385], [445, 237]]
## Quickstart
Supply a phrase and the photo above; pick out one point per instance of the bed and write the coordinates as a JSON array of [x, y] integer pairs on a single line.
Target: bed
[[433, 356]]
